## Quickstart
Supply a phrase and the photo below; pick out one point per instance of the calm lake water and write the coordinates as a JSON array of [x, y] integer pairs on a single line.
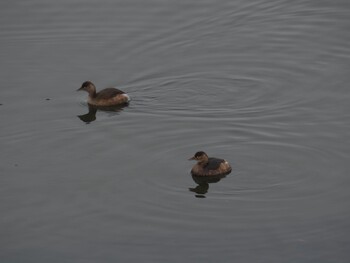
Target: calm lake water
[[263, 84]]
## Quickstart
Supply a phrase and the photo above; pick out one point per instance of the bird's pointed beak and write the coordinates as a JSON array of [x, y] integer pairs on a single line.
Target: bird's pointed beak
[[192, 158], [81, 88]]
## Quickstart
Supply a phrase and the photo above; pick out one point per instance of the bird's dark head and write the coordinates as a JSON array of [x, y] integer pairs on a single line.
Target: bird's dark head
[[89, 87], [200, 156]]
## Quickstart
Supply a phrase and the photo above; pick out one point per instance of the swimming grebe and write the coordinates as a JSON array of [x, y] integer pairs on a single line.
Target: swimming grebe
[[106, 97], [209, 166]]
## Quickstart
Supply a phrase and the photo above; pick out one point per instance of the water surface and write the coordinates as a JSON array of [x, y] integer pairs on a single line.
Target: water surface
[[262, 84]]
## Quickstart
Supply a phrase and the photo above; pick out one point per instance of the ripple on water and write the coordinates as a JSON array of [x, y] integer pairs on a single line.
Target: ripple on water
[[207, 94]]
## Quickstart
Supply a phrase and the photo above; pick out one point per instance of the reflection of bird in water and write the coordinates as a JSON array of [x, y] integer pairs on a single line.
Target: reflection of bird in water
[[203, 184], [207, 166], [106, 97], [91, 115], [200, 190]]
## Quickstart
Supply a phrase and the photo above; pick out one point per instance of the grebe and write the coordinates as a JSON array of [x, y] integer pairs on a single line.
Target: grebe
[[106, 97], [207, 166]]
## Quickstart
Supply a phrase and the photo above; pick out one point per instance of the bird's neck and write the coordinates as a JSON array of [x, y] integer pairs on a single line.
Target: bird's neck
[[92, 92]]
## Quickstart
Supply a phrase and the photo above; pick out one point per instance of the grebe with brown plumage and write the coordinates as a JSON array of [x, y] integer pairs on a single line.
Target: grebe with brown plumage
[[209, 166], [106, 97]]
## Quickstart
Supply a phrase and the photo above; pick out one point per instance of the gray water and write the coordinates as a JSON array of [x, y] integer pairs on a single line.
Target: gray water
[[263, 84]]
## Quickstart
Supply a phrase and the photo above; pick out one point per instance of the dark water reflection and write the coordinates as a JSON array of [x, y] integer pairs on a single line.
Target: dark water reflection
[[203, 184], [91, 115], [263, 84]]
